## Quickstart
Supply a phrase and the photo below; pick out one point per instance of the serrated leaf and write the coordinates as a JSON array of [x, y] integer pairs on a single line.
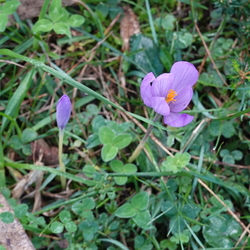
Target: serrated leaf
[[42, 25], [122, 141], [176, 163], [76, 20], [125, 211], [108, 152], [140, 201]]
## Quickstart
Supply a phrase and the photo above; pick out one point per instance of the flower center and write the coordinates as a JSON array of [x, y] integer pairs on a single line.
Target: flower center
[[170, 96]]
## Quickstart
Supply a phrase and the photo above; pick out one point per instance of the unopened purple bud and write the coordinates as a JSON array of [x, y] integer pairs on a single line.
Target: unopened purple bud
[[63, 110]]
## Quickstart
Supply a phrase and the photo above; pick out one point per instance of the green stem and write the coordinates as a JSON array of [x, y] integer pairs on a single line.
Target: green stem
[[61, 164], [2, 170], [144, 139]]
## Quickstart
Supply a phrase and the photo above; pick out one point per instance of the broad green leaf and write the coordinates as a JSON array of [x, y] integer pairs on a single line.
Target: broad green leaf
[[108, 152], [76, 20], [222, 231], [21, 210], [26, 149], [10, 7], [140, 201], [117, 166], [237, 155], [177, 224], [56, 227], [88, 203], [140, 243], [146, 54], [228, 159], [228, 129], [129, 168], [16, 99], [120, 180], [28, 135], [65, 216], [3, 22], [142, 219], [15, 142], [97, 123], [93, 141], [55, 10], [106, 135], [88, 170], [88, 229], [125, 211], [2, 247], [122, 141], [62, 29], [71, 226], [6, 217], [42, 25]]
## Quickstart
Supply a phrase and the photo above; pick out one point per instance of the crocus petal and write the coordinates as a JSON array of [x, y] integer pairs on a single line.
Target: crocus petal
[[162, 84], [177, 120], [145, 89], [160, 105], [185, 74], [182, 100], [63, 110]]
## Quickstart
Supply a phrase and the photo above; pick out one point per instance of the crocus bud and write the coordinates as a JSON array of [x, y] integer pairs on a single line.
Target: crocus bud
[[63, 110]]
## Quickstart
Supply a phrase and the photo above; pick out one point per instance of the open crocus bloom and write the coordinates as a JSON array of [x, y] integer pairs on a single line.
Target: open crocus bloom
[[170, 93]]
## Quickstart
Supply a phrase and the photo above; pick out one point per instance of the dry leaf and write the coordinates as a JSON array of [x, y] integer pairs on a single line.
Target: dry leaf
[[129, 26]]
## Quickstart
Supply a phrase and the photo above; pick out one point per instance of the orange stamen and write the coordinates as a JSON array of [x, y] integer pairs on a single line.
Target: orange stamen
[[170, 96]]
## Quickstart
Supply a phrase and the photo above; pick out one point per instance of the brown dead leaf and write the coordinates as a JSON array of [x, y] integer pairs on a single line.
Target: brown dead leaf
[[50, 154], [129, 26]]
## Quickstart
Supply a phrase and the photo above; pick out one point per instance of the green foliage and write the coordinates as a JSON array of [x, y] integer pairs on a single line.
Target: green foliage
[[6, 217], [6, 9], [112, 142], [221, 231], [176, 163], [118, 167], [59, 20]]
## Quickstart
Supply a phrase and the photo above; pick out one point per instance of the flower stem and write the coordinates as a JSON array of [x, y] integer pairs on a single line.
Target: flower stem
[[144, 139], [61, 164]]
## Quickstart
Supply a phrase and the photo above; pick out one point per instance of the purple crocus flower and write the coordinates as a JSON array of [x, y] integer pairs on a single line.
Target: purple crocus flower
[[63, 110], [170, 93]]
